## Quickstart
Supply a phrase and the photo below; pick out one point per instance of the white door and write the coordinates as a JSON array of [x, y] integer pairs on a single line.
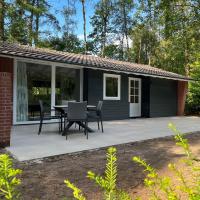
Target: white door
[[134, 97]]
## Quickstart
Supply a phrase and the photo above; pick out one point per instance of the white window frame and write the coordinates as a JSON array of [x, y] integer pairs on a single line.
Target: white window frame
[[104, 86]]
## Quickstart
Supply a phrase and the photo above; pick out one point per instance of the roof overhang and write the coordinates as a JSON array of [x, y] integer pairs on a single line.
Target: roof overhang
[[95, 68]]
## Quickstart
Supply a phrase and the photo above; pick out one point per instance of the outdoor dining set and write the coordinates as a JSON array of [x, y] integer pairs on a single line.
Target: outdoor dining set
[[72, 112]]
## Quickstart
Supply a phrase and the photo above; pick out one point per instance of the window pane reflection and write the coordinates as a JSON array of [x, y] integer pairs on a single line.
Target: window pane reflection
[[111, 87], [67, 85], [33, 84]]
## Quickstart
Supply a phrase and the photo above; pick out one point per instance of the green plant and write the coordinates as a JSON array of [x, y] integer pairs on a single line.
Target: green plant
[[107, 183], [163, 187], [8, 179], [76, 191]]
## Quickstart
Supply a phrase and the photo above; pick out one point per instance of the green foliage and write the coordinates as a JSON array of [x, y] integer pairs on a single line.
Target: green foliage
[[181, 141], [160, 187], [163, 187], [106, 183], [23, 20], [164, 33], [193, 97], [8, 179], [170, 39], [144, 41], [76, 192], [67, 43], [101, 22]]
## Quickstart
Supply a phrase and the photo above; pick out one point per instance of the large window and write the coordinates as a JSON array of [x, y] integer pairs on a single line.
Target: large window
[[33, 84], [111, 87], [54, 85], [67, 85]]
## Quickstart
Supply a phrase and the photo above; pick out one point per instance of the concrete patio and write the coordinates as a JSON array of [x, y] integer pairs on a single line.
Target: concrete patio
[[27, 145]]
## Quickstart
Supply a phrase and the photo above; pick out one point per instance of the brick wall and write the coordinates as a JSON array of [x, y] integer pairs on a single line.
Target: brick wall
[[6, 100], [181, 92]]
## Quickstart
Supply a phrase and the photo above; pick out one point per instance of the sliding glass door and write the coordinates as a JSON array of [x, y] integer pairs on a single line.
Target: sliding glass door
[[54, 85], [67, 85]]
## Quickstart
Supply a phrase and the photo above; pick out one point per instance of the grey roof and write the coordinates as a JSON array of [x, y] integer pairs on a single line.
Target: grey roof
[[88, 61]]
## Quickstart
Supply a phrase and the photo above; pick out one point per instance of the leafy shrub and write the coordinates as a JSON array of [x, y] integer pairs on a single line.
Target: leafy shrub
[[8, 179], [193, 96], [160, 187]]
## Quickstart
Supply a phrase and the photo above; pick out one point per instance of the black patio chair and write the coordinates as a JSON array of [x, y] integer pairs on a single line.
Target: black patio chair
[[77, 113], [44, 116], [96, 113]]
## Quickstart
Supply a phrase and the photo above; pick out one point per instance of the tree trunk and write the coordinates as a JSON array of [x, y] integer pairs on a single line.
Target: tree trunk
[[125, 27], [84, 25], [103, 45], [105, 22], [139, 53], [2, 17], [31, 25], [37, 21], [167, 19]]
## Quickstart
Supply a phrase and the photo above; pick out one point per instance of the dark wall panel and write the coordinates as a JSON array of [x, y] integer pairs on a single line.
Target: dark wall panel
[[145, 97], [163, 97], [159, 96], [112, 109]]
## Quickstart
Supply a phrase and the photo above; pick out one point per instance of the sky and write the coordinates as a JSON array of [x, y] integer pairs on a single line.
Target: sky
[[57, 6]]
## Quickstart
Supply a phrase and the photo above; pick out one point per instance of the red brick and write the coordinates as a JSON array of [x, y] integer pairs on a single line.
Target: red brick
[[181, 92], [6, 96]]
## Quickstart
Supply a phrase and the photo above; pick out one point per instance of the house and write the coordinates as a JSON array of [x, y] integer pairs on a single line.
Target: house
[[28, 74]]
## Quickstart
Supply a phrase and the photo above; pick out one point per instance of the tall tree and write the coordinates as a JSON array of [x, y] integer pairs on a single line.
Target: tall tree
[[69, 13], [17, 30], [43, 17], [145, 43], [123, 23], [84, 24], [30, 22], [101, 24], [2, 19]]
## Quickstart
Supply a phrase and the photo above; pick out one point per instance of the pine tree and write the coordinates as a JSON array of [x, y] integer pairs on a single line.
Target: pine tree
[[123, 23], [69, 12], [84, 25], [101, 24], [2, 19]]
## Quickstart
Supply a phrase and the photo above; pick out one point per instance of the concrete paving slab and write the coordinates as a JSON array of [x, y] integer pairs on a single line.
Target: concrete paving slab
[[27, 145]]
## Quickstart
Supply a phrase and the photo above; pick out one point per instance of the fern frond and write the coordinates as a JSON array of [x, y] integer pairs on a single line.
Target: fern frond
[[107, 183], [99, 180], [181, 141], [76, 191], [111, 168]]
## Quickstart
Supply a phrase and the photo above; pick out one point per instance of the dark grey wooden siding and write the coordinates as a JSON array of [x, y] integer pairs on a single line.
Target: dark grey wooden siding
[[163, 97], [159, 96], [145, 106], [112, 109]]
